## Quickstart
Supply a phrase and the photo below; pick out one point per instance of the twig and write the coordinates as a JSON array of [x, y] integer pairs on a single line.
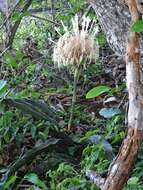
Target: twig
[[16, 25], [45, 19], [4, 51], [122, 101], [10, 14], [53, 9], [39, 10]]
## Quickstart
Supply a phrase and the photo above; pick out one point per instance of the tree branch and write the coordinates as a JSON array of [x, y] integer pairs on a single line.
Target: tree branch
[[45, 19], [10, 14], [16, 25]]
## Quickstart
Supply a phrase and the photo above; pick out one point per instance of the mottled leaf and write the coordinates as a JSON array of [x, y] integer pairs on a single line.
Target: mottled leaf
[[109, 112]]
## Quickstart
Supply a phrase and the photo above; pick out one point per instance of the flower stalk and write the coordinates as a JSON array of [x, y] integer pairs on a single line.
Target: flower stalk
[[74, 50], [76, 77]]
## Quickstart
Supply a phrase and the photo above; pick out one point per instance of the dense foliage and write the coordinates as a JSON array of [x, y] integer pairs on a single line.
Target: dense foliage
[[36, 148]]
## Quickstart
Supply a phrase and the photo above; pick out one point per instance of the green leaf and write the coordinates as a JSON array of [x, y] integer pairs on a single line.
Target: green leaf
[[109, 112], [101, 39], [16, 16], [8, 184], [137, 26], [133, 181], [33, 178], [2, 84], [3, 88], [11, 61], [96, 91], [33, 130]]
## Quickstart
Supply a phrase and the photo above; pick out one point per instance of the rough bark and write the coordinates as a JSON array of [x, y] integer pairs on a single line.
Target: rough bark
[[114, 18], [120, 168], [115, 23]]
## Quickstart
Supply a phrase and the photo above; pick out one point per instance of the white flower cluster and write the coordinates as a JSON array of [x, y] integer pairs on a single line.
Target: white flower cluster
[[76, 46]]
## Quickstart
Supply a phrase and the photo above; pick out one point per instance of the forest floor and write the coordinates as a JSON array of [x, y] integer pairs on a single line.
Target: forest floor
[[37, 149]]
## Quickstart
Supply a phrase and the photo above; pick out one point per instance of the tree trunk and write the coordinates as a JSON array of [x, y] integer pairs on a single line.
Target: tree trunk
[[121, 167], [115, 18]]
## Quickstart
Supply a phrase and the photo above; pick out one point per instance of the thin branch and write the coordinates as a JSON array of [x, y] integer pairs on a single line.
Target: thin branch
[[53, 9], [39, 10], [45, 19], [10, 14], [4, 51], [16, 25]]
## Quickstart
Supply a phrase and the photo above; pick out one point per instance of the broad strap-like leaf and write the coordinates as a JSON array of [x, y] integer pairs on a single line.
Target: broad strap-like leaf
[[38, 109]]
